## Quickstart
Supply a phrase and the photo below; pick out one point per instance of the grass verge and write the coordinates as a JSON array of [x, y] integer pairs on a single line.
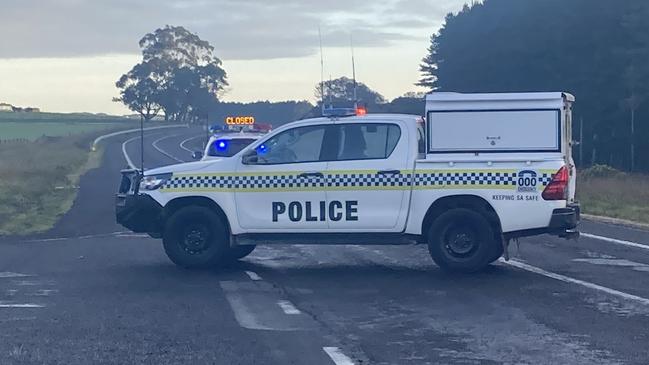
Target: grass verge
[[38, 181], [611, 193]]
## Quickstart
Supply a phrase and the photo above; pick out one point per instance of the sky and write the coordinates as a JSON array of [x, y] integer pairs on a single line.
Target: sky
[[65, 55]]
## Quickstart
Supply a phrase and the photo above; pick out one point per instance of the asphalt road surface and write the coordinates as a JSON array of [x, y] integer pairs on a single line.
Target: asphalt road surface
[[88, 292]]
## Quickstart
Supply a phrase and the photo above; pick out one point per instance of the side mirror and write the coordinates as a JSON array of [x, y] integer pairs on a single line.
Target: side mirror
[[197, 155], [250, 158]]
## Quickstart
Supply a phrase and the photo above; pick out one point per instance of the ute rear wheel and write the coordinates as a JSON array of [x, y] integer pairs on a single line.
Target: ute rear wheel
[[195, 237], [461, 240]]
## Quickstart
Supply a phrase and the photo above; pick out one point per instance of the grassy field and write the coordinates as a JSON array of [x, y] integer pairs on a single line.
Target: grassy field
[[31, 126], [611, 193], [34, 130], [38, 184]]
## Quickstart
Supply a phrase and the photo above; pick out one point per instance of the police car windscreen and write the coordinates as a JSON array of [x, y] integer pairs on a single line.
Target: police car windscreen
[[228, 147]]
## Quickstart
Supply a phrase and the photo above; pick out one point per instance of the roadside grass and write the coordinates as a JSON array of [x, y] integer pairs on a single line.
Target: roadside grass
[[34, 130], [38, 181], [611, 193]]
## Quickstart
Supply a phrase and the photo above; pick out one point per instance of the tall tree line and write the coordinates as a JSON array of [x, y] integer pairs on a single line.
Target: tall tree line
[[596, 49]]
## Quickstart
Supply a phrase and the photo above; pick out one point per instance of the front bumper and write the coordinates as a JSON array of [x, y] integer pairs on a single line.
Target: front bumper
[[139, 213]]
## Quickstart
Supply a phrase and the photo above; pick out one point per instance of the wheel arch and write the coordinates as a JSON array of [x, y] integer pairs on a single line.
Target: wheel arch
[[177, 203], [468, 201]]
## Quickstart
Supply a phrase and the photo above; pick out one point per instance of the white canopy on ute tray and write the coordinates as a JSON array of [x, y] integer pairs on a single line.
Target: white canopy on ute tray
[[496, 122]]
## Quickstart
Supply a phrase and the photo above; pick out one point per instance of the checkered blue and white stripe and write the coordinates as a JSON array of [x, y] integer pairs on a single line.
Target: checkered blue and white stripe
[[350, 180]]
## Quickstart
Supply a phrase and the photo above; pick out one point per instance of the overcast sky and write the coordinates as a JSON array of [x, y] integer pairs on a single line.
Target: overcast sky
[[66, 55]]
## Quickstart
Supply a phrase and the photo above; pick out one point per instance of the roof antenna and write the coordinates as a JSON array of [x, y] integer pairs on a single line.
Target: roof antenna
[[322, 95], [351, 43], [142, 144]]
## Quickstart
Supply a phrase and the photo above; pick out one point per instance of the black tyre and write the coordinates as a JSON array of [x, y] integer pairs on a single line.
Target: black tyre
[[239, 252], [461, 240], [498, 251], [195, 237]]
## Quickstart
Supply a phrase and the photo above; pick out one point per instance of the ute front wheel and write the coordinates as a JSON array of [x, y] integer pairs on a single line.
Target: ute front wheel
[[195, 237]]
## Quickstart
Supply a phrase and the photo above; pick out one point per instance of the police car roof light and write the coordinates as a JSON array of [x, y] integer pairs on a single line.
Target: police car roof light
[[338, 112]]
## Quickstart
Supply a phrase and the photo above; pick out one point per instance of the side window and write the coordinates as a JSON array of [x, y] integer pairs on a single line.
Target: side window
[[301, 144], [360, 141]]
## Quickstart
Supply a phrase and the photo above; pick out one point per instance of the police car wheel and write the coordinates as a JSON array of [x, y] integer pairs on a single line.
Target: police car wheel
[[239, 252], [461, 240], [195, 237]]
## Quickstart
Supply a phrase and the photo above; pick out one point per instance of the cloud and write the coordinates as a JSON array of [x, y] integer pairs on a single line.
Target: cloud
[[238, 29]]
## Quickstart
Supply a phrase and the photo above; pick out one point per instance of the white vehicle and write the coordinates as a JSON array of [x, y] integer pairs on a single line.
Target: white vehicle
[[482, 169], [226, 145]]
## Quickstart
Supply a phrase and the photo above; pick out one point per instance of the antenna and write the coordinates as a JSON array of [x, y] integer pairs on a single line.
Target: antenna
[[351, 43], [142, 143], [322, 95]]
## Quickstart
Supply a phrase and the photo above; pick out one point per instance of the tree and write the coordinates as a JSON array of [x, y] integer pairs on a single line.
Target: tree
[[139, 92], [184, 70], [341, 91], [596, 49]]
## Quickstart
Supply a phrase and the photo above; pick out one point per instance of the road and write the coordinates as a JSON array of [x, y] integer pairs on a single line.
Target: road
[[88, 292]]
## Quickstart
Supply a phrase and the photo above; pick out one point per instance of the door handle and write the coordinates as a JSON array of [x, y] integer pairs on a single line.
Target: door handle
[[311, 174], [389, 172]]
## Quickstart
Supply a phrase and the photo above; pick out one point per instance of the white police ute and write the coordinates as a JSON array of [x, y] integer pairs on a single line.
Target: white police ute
[[478, 171]]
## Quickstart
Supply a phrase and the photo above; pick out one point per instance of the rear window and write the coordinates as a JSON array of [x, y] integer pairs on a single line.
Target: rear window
[[228, 147], [359, 141]]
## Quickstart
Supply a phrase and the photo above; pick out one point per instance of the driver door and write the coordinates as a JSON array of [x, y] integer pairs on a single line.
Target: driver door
[[285, 188]]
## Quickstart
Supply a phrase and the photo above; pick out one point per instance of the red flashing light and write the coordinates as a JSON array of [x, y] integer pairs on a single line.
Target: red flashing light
[[558, 187], [360, 111]]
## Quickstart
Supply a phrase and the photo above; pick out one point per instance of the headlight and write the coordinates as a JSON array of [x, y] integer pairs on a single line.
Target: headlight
[[153, 182]]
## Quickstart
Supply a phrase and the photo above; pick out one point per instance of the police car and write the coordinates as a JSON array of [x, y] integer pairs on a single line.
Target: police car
[[478, 171], [224, 144]]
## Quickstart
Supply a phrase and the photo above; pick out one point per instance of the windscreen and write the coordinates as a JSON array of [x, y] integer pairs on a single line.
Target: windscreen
[[228, 147]]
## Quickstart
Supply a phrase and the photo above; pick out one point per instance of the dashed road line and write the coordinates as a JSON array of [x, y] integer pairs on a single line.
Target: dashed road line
[[24, 305], [7, 274], [615, 240], [567, 279], [337, 356], [155, 145], [288, 307], [253, 276], [637, 266]]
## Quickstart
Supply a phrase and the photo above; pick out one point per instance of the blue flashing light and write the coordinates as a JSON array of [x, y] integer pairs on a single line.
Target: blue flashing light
[[221, 145], [262, 149]]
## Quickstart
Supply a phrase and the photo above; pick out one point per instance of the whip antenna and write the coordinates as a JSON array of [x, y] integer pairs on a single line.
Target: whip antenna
[[351, 43], [322, 95]]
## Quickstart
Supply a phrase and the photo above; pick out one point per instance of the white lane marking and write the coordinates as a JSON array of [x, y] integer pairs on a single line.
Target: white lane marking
[[100, 138], [566, 279], [132, 235], [288, 307], [253, 276], [130, 163], [8, 274], [337, 356], [182, 144], [614, 240], [242, 313], [24, 305], [155, 145], [637, 266], [75, 238]]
